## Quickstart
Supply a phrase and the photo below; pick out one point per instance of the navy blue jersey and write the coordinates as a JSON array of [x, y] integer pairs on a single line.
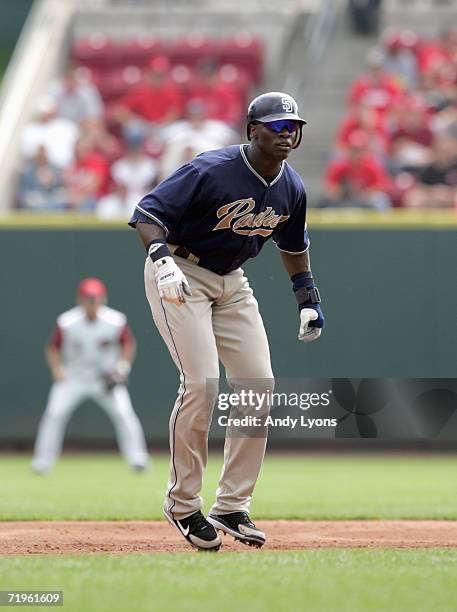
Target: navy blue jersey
[[223, 211]]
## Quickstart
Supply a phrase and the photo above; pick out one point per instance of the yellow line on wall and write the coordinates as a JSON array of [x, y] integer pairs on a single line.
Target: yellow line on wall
[[317, 219]]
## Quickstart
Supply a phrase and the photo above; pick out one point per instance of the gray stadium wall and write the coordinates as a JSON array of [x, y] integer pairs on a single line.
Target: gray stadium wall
[[389, 297]]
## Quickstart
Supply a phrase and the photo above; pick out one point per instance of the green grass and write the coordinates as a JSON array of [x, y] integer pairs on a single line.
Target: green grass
[[324, 580], [294, 487]]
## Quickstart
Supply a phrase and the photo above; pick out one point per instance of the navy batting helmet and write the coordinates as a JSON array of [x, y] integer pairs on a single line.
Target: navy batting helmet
[[272, 106]]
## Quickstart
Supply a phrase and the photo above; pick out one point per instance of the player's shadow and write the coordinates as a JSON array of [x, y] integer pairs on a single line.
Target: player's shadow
[[370, 397]]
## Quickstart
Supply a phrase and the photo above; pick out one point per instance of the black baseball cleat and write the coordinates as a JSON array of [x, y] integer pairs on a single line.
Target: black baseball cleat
[[240, 526], [197, 531]]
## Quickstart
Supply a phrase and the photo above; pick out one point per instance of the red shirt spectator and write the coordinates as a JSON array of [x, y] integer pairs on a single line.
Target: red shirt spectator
[[413, 123], [366, 174], [88, 177], [366, 119], [156, 100], [375, 88], [357, 172], [431, 55], [223, 101]]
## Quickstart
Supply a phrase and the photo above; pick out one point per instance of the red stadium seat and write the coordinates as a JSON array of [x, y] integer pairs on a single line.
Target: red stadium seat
[[181, 75], [245, 51], [114, 85], [191, 49], [84, 73], [139, 50], [96, 51], [238, 78]]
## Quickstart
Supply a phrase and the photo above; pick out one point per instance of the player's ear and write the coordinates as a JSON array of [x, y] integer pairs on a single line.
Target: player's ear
[[252, 131]]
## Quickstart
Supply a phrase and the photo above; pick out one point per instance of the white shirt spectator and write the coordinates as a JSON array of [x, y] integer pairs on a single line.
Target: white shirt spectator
[[137, 172], [115, 206], [56, 134], [77, 104], [185, 139]]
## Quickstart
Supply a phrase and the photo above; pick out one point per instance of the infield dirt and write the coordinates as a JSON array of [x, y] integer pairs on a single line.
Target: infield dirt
[[68, 537]]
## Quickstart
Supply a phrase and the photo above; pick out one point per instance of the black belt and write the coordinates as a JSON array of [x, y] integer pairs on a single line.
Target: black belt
[[184, 252]]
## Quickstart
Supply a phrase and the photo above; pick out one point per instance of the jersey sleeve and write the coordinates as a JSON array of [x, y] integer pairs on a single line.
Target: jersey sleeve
[[57, 338], [126, 337], [293, 235], [167, 202]]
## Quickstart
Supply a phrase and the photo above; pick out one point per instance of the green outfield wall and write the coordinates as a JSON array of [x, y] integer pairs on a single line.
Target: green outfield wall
[[389, 295]]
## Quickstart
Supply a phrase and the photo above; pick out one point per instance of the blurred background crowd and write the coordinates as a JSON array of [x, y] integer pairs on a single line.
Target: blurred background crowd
[[125, 114], [397, 144], [127, 111]]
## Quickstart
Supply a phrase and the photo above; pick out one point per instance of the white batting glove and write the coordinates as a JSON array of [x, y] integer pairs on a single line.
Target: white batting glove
[[171, 282], [307, 333]]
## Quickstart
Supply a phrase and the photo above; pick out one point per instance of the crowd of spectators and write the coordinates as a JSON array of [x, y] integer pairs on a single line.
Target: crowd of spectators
[[126, 114], [397, 144]]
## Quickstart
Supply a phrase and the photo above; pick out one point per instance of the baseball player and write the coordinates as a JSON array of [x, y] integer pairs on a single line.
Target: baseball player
[[199, 226], [90, 355]]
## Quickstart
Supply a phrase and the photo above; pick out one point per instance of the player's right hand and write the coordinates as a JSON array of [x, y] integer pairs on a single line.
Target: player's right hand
[[171, 282]]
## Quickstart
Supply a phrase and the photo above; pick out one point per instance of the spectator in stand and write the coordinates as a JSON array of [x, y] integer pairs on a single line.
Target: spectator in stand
[[101, 140], [437, 183], [412, 138], [76, 97], [357, 179], [444, 122], [41, 185], [116, 205], [56, 134], [365, 118], [432, 92], [155, 102], [222, 99], [136, 171], [400, 62], [185, 139], [87, 178], [436, 54], [375, 89]]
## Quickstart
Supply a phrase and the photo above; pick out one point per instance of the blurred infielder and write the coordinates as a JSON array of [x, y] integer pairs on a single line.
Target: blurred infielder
[[90, 355], [199, 226]]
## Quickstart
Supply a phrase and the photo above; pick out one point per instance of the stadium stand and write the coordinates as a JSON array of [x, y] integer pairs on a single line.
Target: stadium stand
[[397, 144], [122, 78], [124, 104]]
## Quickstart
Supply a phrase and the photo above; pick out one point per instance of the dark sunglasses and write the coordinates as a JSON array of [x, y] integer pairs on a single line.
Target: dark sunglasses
[[280, 124]]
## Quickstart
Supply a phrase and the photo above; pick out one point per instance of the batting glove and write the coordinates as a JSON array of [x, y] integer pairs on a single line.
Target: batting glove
[[308, 298], [171, 282], [307, 333]]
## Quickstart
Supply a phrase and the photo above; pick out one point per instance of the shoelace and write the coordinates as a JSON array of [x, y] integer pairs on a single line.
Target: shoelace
[[244, 517], [199, 522]]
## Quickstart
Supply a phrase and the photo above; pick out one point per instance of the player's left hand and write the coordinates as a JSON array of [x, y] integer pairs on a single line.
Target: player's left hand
[[118, 376], [308, 333]]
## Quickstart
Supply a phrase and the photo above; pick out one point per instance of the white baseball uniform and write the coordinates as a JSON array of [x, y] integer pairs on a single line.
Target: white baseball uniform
[[90, 349]]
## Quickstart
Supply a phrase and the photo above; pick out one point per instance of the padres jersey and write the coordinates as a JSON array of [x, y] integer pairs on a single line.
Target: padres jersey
[[223, 211], [90, 348]]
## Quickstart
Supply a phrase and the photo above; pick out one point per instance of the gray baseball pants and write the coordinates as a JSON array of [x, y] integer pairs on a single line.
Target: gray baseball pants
[[219, 321]]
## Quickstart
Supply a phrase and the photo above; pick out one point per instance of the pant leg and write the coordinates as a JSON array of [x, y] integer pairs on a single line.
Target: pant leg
[[129, 433], [243, 349], [64, 396], [188, 334]]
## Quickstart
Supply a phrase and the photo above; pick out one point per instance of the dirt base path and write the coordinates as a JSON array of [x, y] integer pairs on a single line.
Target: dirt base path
[[65, 537]]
